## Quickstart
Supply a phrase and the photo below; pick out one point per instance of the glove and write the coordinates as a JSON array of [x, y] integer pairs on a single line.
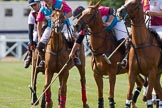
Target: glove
[[32, 45]]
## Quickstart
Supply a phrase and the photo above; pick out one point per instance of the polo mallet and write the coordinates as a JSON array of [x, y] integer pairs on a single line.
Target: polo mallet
[[108, 58], [52, 81]]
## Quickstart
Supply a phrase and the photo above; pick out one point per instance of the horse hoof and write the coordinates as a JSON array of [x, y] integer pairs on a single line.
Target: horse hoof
[[85, 106], [144, 98], [134, 105], [33, 103], [49, 104], [34, 99]]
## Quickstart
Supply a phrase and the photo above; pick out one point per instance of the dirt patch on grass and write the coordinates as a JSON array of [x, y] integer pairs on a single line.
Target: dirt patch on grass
[[10, 59]]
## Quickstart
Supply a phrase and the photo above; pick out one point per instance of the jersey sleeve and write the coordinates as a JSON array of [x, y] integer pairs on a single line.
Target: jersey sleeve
[[66, 7], [31, 18], [40, 17], [103, 10]]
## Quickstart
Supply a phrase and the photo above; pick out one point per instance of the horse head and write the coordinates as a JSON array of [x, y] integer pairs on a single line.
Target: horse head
[[133, 8], [57, 19], [90, 17], [57, 22]]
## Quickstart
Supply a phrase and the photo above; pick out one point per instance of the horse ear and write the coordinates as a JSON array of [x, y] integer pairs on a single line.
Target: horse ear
[[91, 2], [98, 4]]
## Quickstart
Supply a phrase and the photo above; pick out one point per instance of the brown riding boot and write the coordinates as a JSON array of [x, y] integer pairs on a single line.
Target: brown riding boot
[[28, 59], [41, 49]]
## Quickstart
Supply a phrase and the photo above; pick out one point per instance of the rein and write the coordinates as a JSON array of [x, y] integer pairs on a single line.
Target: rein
[[56, 28]]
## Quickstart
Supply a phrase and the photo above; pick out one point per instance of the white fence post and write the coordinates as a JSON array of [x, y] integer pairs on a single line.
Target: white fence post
[[16, 49], [2, 46], [19, 50]]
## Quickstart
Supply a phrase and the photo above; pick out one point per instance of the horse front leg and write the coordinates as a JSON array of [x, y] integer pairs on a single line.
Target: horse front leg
[[112, 80], [99, 82], [158, 91], [139, 82], [63, 88], [131, 83], [81, 69], [151, 81], [48, 78]]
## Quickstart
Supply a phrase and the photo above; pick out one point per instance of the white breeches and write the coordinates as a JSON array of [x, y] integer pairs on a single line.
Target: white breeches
[[35, 36], [120, 30], [46, 34]]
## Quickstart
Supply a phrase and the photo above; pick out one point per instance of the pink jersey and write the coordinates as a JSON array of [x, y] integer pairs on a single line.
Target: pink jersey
[[103, 10]]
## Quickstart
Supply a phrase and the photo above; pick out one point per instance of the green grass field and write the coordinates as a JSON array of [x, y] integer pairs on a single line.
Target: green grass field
[[14, 91]]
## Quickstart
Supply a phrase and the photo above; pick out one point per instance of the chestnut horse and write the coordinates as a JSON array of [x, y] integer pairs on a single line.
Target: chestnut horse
[[102, 42], [57, 54], [144, 56]]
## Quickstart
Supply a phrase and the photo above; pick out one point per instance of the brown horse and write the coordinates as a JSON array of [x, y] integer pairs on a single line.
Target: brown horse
[[144, 56], [57, 54], [102, 42]]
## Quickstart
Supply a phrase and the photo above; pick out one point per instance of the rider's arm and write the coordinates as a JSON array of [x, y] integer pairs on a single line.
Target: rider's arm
[[68, 15], [155, 13], [39, 30], [40, 19], [31, 22], [107, 11], [31, 28], [67, 9], [73, 50], [111, 18], [77, 44]]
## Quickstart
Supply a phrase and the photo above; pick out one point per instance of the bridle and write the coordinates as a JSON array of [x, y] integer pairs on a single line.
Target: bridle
[[56, 27], [82, 22], [57, 24], [135, 7]]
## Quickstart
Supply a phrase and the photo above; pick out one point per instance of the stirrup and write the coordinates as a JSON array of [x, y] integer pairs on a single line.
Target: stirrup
[[77, 61], [123, 64], [41, 64]]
